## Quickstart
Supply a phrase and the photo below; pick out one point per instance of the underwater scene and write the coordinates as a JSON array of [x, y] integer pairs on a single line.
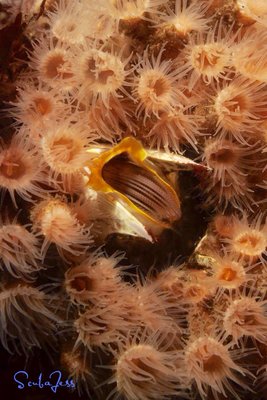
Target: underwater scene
[[133, 181]]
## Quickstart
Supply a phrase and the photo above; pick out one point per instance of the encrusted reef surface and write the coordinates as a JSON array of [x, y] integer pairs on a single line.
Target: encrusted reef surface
[[133, 232]]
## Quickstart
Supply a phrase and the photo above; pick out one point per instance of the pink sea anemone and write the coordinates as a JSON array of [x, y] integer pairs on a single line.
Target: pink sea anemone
[[246, 316], [185, 18], [19, 251], [156, 86], [249, 239], [145, 370], [207, 56], [26, 320], [57, 223], [210, 364], [22, 169]]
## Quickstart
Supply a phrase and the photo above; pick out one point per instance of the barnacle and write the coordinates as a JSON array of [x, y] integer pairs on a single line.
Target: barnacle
[[140, 186]]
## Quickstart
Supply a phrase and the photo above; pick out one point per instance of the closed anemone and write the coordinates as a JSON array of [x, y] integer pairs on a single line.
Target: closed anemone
[[78, 369], [99, 327]]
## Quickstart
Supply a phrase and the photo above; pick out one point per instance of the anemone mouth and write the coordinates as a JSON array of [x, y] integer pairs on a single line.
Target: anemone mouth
[[54, 65], [63, 151], [104, 73], [232, 106], [41, 105], [67, 147], [209, 59], [228, 274], [213, 364], [154, 88], [222, 156], [195, 292], [243, 317], [250, 243], [158, 85], [13, 167], [248, 319], [82, 283]]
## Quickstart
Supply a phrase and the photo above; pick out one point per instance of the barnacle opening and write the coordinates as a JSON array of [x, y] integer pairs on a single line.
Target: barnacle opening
[[124, 170]]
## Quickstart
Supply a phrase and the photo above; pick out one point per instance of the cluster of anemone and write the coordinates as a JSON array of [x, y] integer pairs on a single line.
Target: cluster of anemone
[[183, 77]]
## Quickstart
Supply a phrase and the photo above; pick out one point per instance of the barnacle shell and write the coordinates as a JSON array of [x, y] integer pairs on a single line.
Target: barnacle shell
[[124, 171]]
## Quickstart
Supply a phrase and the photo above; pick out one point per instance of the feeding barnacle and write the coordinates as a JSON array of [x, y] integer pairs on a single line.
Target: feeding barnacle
[[134, 176]]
